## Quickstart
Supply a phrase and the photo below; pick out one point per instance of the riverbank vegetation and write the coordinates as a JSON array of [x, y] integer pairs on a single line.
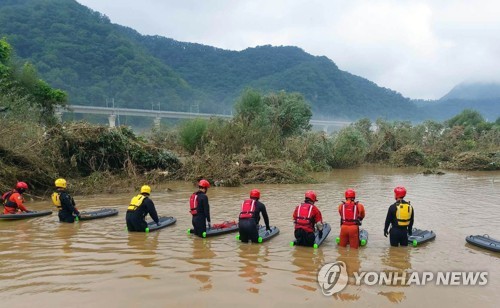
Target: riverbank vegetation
[[269, 140]]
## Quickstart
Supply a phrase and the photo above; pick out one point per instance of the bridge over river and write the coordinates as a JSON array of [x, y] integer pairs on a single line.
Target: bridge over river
[[157, 115]]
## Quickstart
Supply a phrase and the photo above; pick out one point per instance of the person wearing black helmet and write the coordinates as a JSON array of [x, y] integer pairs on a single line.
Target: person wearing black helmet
[[140, 206], [200, 209], [13, 201], [64, 202], [250, 216]]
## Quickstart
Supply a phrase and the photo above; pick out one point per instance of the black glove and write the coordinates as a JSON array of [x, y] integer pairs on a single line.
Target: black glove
[[320, 233], [385, 233]]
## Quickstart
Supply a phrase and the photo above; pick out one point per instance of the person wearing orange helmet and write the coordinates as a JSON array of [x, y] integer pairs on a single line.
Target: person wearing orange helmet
[[64, 202], [250, 216], [307, 217], [351, 214], [200, 209], [400, 217], [13, 201]]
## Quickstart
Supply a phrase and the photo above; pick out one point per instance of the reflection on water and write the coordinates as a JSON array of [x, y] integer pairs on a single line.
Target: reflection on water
[[353, 264], [46, 263], [202, 254], [253, 259], [308, 261]]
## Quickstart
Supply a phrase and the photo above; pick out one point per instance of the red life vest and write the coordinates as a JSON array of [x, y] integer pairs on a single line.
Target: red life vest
[[350, 213], [247, 209], [193, 204], [304, 212]]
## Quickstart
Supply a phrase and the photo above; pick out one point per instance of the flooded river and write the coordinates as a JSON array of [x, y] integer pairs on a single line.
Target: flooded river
[[98, 264]]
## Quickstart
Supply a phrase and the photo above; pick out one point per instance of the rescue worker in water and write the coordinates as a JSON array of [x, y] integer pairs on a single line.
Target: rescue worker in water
[[200, 209], [250, 216], [400, 216], [64, 202], [351, 214], [13, 201], [307, 217], [140, 206]]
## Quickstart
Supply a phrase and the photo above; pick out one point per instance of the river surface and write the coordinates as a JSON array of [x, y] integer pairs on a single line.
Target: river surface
[[98, 264]]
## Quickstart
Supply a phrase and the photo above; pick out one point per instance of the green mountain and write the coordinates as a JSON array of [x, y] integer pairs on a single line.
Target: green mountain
[[80, 51], [481, 97], [474, 91]]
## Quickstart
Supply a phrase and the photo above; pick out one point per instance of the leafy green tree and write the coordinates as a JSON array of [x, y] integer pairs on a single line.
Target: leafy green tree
[[466, 118], [250, 108], [349, 148], [191, 134], [288, 113], [24, 82]]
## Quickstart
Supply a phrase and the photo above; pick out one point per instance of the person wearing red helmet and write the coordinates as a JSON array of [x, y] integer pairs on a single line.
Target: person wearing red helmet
[[351, 214], [400, 216], [307, 217], [250, 216], [200, 209], [13, 201]]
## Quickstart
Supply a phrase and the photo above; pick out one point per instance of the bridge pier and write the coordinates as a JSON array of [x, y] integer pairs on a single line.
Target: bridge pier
[[157, 121], [112, 120], [58, 114]]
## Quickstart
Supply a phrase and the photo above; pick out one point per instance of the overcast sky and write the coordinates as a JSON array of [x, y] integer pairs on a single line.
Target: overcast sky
[[421, 49]]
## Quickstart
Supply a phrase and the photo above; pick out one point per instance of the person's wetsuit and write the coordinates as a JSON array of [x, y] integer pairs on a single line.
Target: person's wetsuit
[[248, 227], [66, 205], [136, 213], [202, 215], [398, 234]]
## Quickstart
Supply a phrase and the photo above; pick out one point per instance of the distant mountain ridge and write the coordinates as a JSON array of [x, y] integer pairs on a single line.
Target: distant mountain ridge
[[474, 91]]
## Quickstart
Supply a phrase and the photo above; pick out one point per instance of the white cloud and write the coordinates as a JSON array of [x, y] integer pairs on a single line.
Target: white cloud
[[418, 48]]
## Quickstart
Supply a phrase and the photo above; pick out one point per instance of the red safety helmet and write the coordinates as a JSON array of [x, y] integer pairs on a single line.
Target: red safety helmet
[[350, 193], [311, 195], [204, 183], [399, 192], [255, 193], [21, 185]]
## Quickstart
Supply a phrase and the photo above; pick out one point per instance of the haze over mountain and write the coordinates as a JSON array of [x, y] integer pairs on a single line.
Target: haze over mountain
[[79, 50]]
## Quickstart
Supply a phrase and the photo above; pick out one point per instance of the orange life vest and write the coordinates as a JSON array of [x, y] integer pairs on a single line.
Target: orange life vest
[[193, 204], [247, 209], [304, 212], [350, 213]]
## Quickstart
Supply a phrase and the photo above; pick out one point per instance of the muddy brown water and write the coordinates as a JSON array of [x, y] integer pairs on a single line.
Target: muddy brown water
[[46, 264]]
